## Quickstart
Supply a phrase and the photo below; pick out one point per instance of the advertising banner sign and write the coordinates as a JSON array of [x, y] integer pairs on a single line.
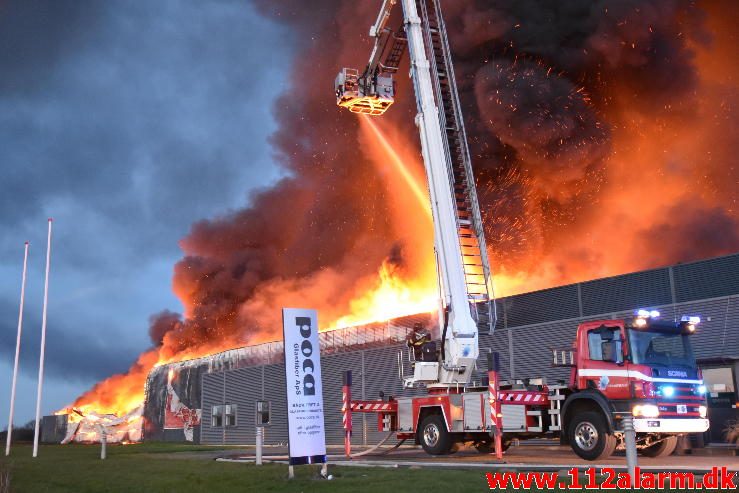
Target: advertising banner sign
[[303, 384]]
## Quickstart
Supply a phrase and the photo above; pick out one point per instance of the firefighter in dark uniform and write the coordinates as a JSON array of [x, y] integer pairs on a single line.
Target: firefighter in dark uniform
[[417, 339]]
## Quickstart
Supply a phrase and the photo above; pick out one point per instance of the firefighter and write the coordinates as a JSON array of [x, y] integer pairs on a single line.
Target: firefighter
[[417, 339]]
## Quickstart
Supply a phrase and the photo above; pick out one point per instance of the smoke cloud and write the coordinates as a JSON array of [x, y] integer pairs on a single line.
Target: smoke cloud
[[600, 134]]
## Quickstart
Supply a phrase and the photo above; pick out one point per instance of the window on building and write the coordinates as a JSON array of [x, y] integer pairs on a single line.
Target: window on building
[[718, 380], [230, 414], [217, 417]]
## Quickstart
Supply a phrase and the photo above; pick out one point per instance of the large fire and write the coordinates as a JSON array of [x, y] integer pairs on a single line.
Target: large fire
[[611, 154]]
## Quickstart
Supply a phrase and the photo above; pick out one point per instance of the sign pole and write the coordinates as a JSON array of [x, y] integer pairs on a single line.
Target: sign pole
[[43, 345], [17, 353]]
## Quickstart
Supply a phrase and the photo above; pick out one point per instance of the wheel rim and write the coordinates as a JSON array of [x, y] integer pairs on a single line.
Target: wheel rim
[[431, 435], [586, 436]]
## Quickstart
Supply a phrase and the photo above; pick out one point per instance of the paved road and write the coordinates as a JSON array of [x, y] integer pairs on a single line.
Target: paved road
[[527, 457]]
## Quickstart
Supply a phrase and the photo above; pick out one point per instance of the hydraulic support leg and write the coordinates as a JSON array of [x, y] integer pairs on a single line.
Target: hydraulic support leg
[[495, 414], [346, 411]]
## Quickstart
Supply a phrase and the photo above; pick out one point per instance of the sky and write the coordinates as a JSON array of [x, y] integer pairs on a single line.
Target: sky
[[125, 121]]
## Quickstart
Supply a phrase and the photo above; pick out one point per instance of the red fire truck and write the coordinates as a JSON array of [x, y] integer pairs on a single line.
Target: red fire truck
[[641, 368]]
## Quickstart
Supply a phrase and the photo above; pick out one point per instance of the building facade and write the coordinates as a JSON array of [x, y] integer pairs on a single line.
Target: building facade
[[212, 400]]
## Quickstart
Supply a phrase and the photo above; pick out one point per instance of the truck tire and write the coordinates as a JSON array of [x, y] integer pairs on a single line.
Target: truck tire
[[660, 449], [589, 437], [433, 435]]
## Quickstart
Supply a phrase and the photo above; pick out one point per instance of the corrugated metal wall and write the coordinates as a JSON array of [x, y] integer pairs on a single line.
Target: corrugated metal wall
[[529, 325]]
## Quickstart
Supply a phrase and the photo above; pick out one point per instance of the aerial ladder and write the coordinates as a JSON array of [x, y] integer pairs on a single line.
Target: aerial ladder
[[466, 299]]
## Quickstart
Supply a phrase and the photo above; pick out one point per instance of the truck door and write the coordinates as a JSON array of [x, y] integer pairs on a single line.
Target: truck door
[[604, 367]]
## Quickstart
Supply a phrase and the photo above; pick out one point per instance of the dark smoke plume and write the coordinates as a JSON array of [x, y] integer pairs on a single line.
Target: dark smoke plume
[[543, 84]]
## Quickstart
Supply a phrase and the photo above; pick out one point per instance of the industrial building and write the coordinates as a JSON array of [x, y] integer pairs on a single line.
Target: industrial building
[[211, 400]]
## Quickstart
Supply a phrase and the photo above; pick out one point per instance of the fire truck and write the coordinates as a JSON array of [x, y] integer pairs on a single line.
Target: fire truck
[[640, 370]]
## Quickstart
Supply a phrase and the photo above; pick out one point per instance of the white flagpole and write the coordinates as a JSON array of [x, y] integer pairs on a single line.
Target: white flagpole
[[17, 353], [43, 344]]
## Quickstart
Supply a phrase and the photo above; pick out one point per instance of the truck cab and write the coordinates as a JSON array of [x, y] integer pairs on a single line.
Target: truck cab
[[643, 367]]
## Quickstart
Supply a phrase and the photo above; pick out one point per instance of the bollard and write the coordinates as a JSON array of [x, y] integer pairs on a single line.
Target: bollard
[[262, 418], [103, 442], [630, 441], [260, 442]]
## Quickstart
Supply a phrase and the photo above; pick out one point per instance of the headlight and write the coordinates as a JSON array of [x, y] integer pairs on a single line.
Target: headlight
[[668, 391], [702, 411], [645, 410], [702, 389]]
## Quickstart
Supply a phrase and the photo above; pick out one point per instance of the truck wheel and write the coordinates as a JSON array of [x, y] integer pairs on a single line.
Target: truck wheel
[[661, 449], [589, 437], [433, 435]]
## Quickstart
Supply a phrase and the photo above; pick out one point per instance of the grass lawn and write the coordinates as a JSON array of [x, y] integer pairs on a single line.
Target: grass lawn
[[159, 467]]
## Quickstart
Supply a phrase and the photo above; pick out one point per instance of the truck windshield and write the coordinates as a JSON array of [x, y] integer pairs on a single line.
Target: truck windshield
[[659, 348]]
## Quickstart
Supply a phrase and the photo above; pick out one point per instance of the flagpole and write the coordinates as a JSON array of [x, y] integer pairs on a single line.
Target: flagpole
[[17, 352], [43, 344]]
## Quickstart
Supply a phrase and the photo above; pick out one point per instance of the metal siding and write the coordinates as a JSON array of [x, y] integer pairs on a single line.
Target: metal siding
[[332, 368], [274, 391], [212, 396], [707, 279], [498, 342], [627, 292], [532, 350], [243, 388], [719, 336], [542, 306], [730, 336]]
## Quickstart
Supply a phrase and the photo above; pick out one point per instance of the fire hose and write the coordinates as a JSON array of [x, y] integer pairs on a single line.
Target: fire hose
[[358, 454], [380, 444]]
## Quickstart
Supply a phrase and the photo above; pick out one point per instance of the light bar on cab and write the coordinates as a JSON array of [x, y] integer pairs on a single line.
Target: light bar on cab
[[690, 322], [642, 316], [641, 312]]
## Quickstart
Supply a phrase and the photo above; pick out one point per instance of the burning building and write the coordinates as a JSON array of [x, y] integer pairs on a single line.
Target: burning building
[[211, 400]]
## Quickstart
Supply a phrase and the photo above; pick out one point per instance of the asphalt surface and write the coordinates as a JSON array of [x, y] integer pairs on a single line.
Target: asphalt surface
[[523, 457]]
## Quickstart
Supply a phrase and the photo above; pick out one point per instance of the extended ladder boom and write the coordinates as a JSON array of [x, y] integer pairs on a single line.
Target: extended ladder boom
[[467, 298]]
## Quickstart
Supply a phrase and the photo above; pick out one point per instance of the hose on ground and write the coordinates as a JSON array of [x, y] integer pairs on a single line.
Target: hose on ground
[[382, 442], [358, 454]]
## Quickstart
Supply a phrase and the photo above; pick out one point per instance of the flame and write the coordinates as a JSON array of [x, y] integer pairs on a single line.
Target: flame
[[392, 298]]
